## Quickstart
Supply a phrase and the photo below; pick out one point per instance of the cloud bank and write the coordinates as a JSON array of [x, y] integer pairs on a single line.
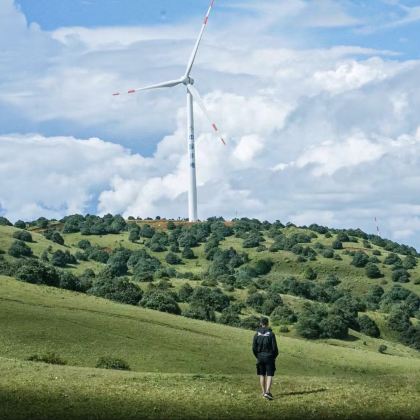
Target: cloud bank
[[324, 135]]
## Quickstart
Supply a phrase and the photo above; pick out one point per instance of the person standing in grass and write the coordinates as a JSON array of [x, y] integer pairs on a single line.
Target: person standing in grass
[[264, 347]]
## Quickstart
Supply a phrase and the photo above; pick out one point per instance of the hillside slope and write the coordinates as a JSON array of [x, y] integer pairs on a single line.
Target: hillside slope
[[199, 367]]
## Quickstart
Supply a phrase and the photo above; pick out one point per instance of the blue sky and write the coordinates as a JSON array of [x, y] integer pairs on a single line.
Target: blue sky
[[318, 101]]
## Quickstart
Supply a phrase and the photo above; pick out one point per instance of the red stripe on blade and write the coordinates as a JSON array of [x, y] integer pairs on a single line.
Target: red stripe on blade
[[215, 127], [116, 94], [131, 91], [206, 20]]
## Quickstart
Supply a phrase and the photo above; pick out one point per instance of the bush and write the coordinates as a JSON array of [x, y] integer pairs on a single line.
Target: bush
[[251, 322], [368, 326], [360, 259], [4, 221], [333, 326], [328, 253], [19, 249], [172, 258], [401, 276], [283, 314], [382, 348], [117, 289], [61, 259], [112, 363], [188, 253], [310, 273], [372, 271], [22, 235], [57, 238], [212, 298], [35, 272], [51, 358], [284, 329], [134, 235], [160, 300], [337, 244], [230, 317], [84, 244], [185, 292], [20, 224]]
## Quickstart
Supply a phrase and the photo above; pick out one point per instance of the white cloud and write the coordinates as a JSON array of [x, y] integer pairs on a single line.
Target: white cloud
[[314, 135]]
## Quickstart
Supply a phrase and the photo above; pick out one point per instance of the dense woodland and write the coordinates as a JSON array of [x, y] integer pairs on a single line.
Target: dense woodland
[[314, 281]]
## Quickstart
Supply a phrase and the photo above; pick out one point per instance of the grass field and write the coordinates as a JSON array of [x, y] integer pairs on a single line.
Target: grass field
[[182, 368]]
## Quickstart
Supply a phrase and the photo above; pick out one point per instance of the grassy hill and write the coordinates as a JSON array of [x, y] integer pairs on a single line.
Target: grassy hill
[[188, 368], [181, 368]]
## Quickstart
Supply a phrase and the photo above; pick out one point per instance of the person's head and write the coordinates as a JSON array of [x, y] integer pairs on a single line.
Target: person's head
[[264, 322]]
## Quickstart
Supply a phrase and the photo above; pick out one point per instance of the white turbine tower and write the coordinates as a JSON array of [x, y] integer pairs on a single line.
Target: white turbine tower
[[192, 94]]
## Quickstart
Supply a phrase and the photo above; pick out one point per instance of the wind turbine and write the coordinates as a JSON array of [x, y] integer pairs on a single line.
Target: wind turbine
[[192, 94]]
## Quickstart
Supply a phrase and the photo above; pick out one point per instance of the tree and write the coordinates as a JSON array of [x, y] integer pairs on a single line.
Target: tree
[[283, 314], [69, 281], [368, 326], [392, 259], [117, 263], [372, 271], [171, 225], [57, 238], [255, 301], [188, 253], [185, 292], [401, 276], [42, 222], [134, 235], [19, 249], [230, 317], [99, 255], [160, 300], [84, 244], [117, 289], [333, 326], [337, 244], [310, 273], [399, 319], [20, 224], [409, 262], [59, 258], [360, 259], [4, 221], [212, 298], [22, 235], [172, 258], [33, 271], [252, 240], [202, 312], [147, 231], [343, 237], [328, 253]]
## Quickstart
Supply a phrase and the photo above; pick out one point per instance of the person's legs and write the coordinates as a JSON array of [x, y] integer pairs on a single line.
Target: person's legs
[[268, 383], [262, 383]]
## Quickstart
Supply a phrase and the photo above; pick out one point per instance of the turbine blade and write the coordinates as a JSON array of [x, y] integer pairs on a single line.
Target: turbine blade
[[169, 83], [197, 43], [199, 100]]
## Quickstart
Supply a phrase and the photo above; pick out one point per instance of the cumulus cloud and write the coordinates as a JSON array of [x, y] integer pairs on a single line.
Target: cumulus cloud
[[325, 135]]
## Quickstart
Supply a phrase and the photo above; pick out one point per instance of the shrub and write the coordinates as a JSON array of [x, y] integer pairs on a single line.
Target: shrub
[[134, 235], [392, 259], [69, 281], [212, 298], [368, 326], [117, 289], [51, 358], [4, 221], [310, 273], [401, 276], [333, 326], [284, 329], [360, 259], [19, 249], [328, 253], [172, 258], [230, 317], [185, 292], [160, 300], [20, 224], [382, 348], [372, 271], [337, 244], [202, 312], [251, 322], [283, 314], [22, 235], [57, 238], [61, 259], [188, 253], [112, 363], [84, 244], [33, 271]]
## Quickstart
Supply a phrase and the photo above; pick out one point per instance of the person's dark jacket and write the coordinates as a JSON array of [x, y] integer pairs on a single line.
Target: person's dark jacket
[[264, 344]]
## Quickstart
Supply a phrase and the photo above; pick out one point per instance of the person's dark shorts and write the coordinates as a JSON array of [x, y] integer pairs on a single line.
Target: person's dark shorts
[[266, 366]]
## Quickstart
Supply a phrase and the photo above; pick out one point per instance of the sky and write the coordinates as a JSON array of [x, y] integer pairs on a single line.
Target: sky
[[318, 101]]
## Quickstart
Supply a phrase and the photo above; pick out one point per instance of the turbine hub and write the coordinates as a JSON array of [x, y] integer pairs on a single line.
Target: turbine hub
[[188, 81]]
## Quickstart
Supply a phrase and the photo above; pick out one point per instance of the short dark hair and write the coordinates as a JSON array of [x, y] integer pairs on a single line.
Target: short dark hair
[[264, 321]]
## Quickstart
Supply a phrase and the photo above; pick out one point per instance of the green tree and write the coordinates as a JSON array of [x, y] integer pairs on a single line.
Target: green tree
[[337, 244], [188, 253], [185, 292], [20, 224], [360, 259], [368, 326], [172, 258], [372, 271], [19, 249], [134, 235], [160, 300], [22, 235], [57, 238]]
